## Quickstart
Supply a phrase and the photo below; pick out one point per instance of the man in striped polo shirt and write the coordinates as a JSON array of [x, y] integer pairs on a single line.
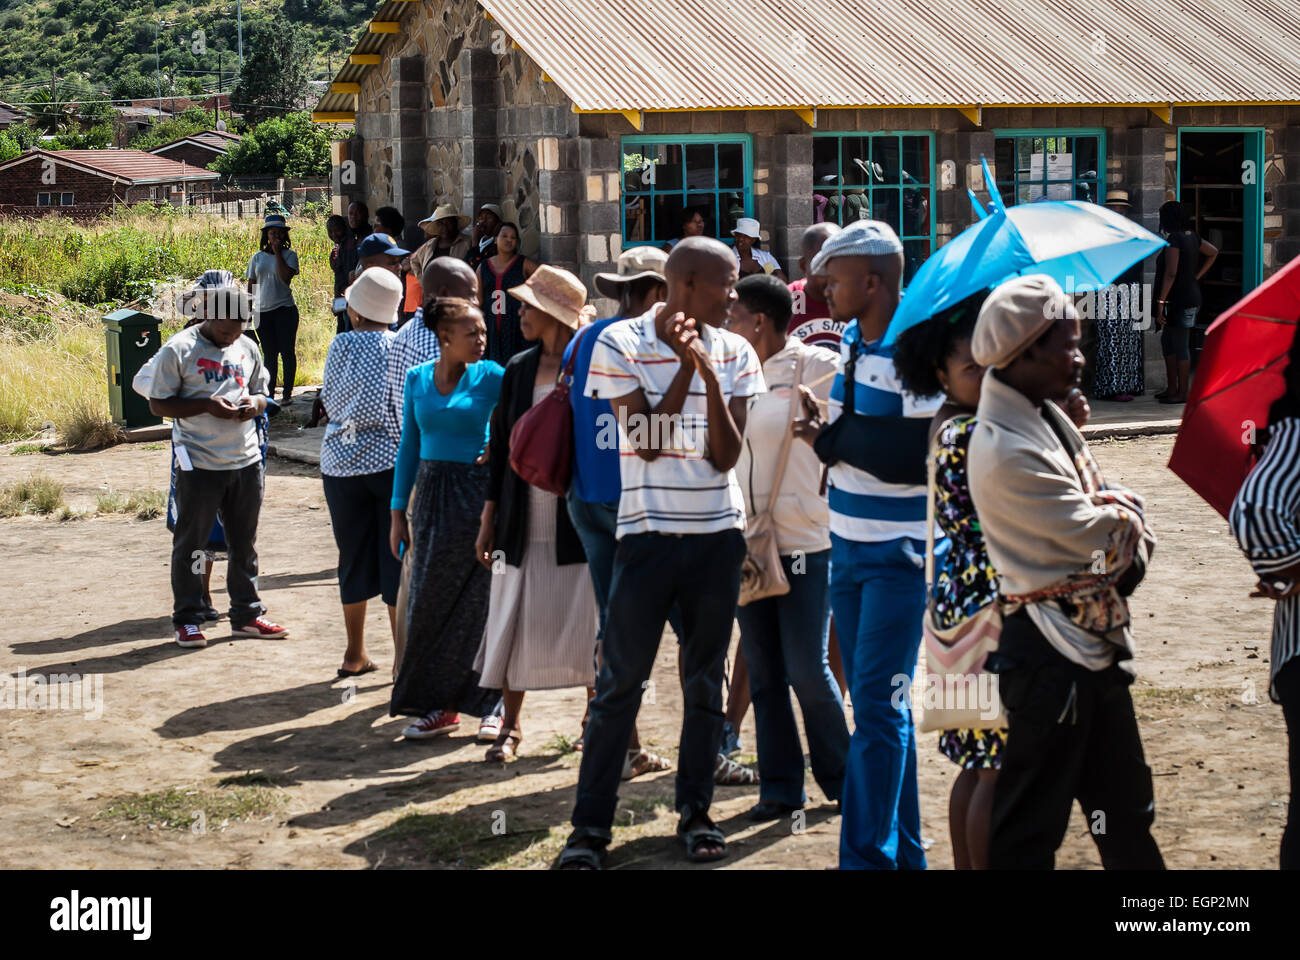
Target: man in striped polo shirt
[[677, 384], [877, 558]]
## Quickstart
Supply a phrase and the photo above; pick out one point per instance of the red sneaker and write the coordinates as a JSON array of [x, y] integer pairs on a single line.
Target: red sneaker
[[190, 636], [436, 724], [261, 627]]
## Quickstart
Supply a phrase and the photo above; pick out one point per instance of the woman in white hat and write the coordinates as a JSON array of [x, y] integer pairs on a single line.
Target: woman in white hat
[[750, 253], [357, 455], [443, 229], [542, 619]]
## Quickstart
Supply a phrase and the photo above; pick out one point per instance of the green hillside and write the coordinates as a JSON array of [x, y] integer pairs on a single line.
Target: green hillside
[[107, 46]]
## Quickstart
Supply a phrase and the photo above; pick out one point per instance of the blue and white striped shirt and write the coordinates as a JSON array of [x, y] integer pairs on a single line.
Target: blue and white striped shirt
[[863, 508]]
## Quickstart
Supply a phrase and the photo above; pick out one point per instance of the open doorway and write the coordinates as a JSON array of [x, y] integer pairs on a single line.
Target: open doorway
[[1219, 173]]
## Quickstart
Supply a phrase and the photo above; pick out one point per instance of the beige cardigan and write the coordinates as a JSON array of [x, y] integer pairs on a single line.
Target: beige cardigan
[[1043, 525]]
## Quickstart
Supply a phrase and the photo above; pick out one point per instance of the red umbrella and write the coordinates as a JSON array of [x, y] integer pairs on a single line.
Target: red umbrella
[[1237, 380]]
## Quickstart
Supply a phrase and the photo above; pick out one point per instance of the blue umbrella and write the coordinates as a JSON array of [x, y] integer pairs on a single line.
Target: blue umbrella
[[1080, 245]]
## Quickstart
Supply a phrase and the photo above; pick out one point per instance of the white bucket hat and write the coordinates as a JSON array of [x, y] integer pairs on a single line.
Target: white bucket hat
[[376, 295], [747, 226]]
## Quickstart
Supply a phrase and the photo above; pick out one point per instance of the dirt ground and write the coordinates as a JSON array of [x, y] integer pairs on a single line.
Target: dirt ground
[[323, 779]]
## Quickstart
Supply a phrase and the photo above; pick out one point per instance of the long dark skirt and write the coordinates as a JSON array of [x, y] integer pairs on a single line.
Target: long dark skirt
[[1119, 364], [447, 610]]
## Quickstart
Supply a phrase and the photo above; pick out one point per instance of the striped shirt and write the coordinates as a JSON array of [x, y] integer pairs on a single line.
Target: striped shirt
[[1266, 519], [414, 344], [680, 491], [863, 508]]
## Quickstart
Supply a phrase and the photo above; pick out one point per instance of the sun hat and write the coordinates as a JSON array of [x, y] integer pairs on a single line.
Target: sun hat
[[862, 238], [274, 220], [556, 292], [747, 226], [378, 243], [1016, 314], [1117, 197], [493, 208], [446, 211], [634, 263], [376, 295]]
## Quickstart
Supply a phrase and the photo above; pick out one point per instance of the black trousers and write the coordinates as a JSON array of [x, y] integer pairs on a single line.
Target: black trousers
[[1072, 736], [278, 330], [1287, 685], [199, 495]]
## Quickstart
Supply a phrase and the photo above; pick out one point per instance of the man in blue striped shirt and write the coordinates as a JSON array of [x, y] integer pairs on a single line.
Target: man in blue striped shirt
[[877, 558]]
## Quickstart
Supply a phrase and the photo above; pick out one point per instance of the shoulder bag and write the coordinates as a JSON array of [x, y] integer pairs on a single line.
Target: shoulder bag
[[541, 441], [761, 573], [958, 693]]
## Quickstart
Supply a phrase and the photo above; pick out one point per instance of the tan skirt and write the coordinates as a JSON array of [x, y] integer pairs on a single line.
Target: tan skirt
[[542, 619]]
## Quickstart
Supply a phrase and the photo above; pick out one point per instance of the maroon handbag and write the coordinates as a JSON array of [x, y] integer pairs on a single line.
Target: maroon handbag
[[541, 442]]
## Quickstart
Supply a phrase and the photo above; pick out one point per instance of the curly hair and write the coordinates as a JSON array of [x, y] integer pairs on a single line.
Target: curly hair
[[920, 351], [445, 311]]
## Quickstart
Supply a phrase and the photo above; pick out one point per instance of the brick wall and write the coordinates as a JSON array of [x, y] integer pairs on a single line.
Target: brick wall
[[193, 154], [20, 184]]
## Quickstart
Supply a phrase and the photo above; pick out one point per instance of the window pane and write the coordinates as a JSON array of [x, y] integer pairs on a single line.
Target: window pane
[[731, 207], [1004, 159], [668, 217], [826, 162], [707, 204], [1024, 150], [916, 213], [854, 205], [855, 156], [731, 165], [700, 171], [668, 166], [636, 170], [886, 163], [884, 206], [636, 213], [916, 159], [67, 200], [915, 253], [826, 207]]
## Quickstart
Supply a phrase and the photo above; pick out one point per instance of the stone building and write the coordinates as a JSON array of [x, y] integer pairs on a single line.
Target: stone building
[[597, 122]]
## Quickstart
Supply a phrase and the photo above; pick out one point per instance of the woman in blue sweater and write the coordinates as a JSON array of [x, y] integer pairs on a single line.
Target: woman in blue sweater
[[447, 405]]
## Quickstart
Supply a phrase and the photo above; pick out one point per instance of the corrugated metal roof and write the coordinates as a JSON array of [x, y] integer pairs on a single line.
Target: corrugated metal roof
[[218, 140], [135, 166], [703, 54]]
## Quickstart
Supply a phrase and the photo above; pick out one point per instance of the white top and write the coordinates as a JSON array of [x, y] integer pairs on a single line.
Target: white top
[[680, 491], [269, 291], [762, 258], [800, 517]]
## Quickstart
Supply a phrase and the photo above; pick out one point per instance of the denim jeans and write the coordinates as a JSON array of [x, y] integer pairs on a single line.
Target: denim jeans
[[652, 572], [785, 640], [596, 525], [199, 495], [878, 595]]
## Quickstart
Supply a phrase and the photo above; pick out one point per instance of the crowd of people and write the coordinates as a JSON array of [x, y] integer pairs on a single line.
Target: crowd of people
[[729, 449]]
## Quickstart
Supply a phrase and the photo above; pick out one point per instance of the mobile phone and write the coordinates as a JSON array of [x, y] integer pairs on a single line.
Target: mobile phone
[[1282, 584]]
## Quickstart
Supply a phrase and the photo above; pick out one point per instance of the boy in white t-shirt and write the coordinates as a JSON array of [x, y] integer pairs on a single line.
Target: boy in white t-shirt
[[678, 386]]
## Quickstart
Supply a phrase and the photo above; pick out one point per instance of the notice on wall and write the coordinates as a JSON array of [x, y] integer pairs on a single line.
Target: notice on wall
[[1056, 166]]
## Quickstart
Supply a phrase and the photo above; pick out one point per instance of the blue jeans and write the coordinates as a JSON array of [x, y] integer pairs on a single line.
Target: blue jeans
[[878, 595], [597, 525], [700, 573], [785, 640]]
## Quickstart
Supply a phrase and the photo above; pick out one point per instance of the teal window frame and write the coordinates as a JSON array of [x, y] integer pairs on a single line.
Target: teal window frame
[[872, 189], [1014, 181], [746, 142], [1253, 219]]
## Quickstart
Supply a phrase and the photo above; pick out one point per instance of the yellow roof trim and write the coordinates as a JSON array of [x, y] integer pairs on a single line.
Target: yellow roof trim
[[342, 86], [385, 26], [1165, 113], [808, 115], [364, 59], [974, 114], [634, 117], [947, 106], [341, 116]]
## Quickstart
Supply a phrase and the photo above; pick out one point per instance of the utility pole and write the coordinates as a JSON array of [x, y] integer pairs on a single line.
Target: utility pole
[[157, 70], [239, 16]]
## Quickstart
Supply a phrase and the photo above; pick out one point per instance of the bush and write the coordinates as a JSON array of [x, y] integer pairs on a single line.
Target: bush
[[288, 146], [86, 427], [37, 494], [55, 28]]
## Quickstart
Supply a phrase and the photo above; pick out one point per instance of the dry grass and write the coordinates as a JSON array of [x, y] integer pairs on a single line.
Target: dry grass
[[37, 493], [142, 504]]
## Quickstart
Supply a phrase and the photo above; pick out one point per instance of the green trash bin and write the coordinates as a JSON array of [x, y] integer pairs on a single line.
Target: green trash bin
[[132, 338]]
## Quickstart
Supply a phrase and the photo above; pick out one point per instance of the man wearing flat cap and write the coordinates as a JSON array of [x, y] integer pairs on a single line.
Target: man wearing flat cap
[[1069, 549]]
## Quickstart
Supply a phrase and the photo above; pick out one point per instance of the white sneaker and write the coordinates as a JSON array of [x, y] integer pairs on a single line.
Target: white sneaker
[[190, 636], [489, 729]]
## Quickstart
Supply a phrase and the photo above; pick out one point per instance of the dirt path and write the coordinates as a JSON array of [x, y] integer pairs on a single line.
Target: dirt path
[[322, 779]]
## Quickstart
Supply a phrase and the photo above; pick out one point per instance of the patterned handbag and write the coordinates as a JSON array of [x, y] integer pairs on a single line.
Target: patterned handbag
[[966, 694]]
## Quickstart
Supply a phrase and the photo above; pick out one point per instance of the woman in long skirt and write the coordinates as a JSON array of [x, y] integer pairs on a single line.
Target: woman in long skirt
[[542, 620], [446, 407]]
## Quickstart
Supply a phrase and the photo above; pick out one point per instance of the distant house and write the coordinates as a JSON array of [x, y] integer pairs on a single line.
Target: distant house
[[10, 115], [198, 149], [82, 182]]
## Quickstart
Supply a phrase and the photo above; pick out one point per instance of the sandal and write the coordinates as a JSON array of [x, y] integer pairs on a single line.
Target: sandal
[[638, 762], [728, 773], [581, 858], [505, 747], [704, 833], [370, 667]]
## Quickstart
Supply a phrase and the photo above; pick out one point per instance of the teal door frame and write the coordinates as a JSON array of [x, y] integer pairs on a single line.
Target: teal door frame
[[1252, 232]]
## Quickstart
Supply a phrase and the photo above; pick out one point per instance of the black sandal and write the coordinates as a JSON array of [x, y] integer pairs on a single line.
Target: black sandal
[[581, 858], [705, 833]]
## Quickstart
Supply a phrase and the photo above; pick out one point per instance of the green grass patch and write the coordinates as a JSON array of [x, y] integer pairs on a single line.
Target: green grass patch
[[142, 504], [476, 841], [182, 808], [562, 745], [35, 494], [23, 449]]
